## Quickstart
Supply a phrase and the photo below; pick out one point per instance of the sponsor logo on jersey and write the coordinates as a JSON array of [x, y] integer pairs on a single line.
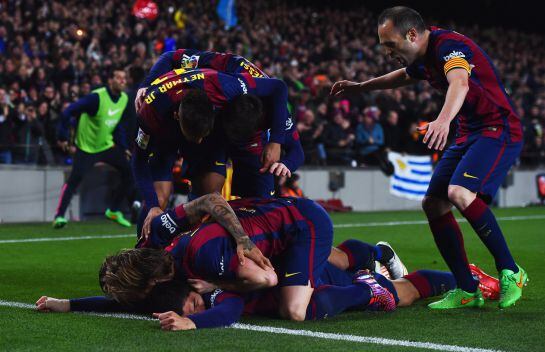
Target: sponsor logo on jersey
[[168, 223], [289, 123], [190, 61], [222, 266], [214, 295], [454, 54], [142, 139], [243, 86]]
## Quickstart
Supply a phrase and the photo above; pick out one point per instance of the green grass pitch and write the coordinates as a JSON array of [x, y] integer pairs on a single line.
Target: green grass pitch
[[69, 268]]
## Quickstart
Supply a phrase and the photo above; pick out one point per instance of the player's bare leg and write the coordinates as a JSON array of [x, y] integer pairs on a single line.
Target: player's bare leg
[[210, 182], [435, 207], [163, 189], [406, 292], [338, 258], [294, 301]]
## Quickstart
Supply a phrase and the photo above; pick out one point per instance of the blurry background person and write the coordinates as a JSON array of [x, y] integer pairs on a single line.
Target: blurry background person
[[100, 114], [7, 118]]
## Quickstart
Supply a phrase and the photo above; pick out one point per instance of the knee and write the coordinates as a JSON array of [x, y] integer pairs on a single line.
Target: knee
[[295, 312], [268, 279], [435, 207], [428, 204], [459, 196]]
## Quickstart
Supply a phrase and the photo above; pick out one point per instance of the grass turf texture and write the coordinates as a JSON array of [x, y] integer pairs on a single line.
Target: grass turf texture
[[66, 269]]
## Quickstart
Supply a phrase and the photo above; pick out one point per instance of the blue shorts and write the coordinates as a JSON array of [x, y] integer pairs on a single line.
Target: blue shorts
[[161, 165], [479, 165], [304, 261], [247, 180]]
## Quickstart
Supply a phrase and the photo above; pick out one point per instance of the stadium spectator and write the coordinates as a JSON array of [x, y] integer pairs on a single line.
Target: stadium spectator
[[338, 139], [392, 132], [43, 50], [310, 132], [369, 133], [7, 119], [29, 134]]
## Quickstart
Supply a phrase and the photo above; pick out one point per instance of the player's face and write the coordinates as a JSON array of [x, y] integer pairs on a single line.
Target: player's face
[[398, 46], [193, 304], [119, 81]]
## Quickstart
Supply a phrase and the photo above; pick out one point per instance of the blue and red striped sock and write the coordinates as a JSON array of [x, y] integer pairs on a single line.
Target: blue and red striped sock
[[431, 283], [450, 242], [483, 221], [327, 300], [361, 255]]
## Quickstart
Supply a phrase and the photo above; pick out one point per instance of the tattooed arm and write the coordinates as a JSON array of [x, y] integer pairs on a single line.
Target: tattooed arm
[[214, 205]]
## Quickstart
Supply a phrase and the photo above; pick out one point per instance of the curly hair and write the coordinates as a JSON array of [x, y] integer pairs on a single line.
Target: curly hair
[[130, 275]]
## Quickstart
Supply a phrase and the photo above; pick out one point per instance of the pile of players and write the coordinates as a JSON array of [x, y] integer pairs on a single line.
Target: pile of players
[[194, 269], [262, 255]]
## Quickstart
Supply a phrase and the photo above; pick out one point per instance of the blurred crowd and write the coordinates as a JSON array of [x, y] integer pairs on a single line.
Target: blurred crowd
[[53, 52]]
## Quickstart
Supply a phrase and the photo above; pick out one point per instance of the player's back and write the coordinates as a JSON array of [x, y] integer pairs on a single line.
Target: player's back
[[210, 251], [278, 217]]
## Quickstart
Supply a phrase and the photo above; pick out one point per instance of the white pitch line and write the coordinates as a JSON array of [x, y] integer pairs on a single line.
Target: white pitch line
[[294, 332], [425, 222], [365, 224], [360, 339], [72, 238]]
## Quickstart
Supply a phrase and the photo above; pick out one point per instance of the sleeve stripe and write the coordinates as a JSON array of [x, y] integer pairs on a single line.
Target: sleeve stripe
[[457, 62]]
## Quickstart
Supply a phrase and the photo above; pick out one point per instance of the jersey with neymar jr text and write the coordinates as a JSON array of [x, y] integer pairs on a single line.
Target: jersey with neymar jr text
[[164, 95], [487, 110]]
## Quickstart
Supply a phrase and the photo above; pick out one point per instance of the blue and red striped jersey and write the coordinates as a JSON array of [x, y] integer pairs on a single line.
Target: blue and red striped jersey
[[209, 252], [192, 59], [488, 109], [156, 116]]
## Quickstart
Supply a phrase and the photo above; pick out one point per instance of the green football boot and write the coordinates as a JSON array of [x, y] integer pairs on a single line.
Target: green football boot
[[459, 298], [511, 286], [118, 217], [59, 222]]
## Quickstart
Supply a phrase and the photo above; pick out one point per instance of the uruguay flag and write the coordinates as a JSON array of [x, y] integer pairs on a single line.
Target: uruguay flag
[[411, 176], [227, 12]]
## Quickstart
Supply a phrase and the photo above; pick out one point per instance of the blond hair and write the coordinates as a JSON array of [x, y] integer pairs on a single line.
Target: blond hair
[[129, 275]]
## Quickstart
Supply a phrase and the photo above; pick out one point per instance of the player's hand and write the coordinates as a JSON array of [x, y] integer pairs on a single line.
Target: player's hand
[[63, 145], [342, 88], [139, 98], [437, 133], [271, 154], [279, 169], [201, 286], [152, 214], [171, 321], [247, 249], [128, 154], [49, 304]]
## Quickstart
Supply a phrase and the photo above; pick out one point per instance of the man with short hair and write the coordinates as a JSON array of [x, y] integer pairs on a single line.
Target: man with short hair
[[165, 118], [488, 142], [99, 137]]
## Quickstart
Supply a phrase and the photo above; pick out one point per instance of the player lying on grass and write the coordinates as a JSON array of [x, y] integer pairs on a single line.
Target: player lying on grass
[[298, 233], [184, 309]]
